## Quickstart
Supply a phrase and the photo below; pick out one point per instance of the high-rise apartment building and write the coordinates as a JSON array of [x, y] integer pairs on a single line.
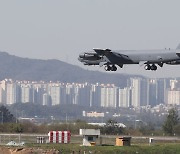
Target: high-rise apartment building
[[152, 92], [157, 91], [124, 97], [144, 92], [46, 99], [83, 94], [173, 84], [161, 91], [139, 92], [135, 84], [95, 93], [70, 94], [26, 93], [39, 89], [173, 97], [13, 93], [54, 92], [109, 96], [3, 87]]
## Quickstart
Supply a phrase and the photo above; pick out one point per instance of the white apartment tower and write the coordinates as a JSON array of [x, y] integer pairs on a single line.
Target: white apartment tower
[[139, 92], [26, 93], [3, 91], [109, 96], [124, 97], [136, 89], [95, 94], [12, 93], [54, 92], [46, 99], [174, 97]]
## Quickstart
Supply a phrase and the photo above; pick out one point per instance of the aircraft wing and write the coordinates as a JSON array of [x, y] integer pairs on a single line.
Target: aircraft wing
[[113, 57], [102, 51]]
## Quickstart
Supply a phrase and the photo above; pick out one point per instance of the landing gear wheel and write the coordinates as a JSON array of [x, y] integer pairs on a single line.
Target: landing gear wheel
[[107, 68], [147, 67], [153, 67], [113, 68]]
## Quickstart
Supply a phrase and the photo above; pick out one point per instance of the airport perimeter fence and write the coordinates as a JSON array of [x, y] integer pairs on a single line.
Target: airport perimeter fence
[[18, 138]]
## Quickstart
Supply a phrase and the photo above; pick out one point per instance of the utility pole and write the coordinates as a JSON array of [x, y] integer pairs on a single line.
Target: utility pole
[[16, 115], [66, 118]]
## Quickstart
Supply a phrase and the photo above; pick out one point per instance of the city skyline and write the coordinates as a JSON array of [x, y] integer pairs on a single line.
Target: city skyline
[[138, 92]]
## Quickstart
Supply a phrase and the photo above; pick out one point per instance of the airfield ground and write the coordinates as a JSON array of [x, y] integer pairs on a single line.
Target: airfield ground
[[139, 145], [171, 148]]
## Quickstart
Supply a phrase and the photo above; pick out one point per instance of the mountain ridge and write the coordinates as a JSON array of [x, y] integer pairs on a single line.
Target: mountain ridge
[[18, 68]]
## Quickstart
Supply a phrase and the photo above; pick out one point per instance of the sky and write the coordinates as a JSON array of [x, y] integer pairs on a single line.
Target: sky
[[61, 29]]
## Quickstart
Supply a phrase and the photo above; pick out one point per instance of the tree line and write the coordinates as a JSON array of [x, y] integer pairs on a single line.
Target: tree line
[[10, 124]]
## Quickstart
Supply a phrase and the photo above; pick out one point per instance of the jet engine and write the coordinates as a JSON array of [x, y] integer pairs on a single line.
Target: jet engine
[[89, 56], [176, 62]]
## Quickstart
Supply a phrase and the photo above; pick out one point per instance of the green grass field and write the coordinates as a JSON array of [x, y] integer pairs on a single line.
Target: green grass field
[[170, 148]]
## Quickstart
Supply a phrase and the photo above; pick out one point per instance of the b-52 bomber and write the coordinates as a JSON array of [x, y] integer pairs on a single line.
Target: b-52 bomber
[[110, 59]]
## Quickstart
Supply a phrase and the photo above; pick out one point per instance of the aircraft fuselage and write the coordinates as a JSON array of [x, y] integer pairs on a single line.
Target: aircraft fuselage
[[150, 58]]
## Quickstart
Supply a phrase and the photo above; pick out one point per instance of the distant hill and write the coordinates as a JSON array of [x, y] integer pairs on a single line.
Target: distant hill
[[18, 68]]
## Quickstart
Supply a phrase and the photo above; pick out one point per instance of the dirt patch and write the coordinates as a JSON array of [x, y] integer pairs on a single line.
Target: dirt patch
[[4, 150]]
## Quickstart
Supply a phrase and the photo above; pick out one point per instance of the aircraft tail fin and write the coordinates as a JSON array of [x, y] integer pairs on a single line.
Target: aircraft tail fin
[[178, 47]]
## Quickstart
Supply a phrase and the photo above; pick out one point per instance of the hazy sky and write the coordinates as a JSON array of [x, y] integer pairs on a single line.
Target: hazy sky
[[61, 29]]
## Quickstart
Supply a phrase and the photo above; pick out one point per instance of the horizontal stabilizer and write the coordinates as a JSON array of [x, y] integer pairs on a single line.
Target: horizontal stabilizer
[[178, 47]]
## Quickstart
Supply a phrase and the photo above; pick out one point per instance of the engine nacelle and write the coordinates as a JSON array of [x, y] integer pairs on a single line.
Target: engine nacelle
[[89, 56], [176, 62]]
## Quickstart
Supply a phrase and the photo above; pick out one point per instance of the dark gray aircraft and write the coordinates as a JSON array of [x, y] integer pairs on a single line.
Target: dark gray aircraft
[[113, 58]]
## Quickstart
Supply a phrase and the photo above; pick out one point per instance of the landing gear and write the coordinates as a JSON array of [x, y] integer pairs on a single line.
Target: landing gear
[[147, 67], [107, 68], [160, 64], [113, 68], [110, 68], [152, 67]]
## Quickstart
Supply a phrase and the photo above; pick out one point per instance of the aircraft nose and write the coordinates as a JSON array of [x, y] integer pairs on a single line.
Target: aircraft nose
[[81, 55], [80, 59]]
